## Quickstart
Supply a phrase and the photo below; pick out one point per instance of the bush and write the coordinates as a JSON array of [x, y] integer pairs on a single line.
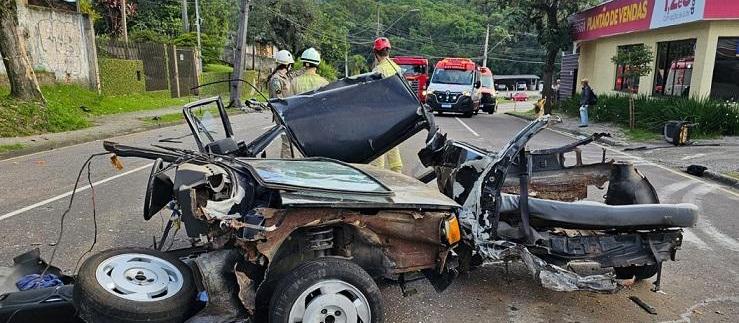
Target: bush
[[120, 76], [713, 117]]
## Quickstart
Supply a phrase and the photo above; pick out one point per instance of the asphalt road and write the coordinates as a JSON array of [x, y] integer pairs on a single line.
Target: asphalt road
[[703, 285]]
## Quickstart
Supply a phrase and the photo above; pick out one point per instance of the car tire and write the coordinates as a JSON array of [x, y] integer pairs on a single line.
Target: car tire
[[638, 272], [467, 114], [351, 292], [130, 273], [440, 113]]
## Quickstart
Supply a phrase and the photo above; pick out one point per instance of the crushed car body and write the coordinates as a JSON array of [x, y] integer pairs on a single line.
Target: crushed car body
[[290, 240]]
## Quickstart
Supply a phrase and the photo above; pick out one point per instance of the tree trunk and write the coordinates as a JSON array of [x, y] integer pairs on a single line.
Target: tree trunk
[[548, 76], [23, 83]]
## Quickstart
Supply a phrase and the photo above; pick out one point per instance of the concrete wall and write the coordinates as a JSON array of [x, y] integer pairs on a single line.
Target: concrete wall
[[595, 56], [59, 42]]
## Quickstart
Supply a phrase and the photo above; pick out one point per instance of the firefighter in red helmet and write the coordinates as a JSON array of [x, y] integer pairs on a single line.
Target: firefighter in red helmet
[[387, 68]]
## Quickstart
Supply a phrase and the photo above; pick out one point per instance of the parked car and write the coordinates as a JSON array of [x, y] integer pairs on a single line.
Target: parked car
[[520, 96]]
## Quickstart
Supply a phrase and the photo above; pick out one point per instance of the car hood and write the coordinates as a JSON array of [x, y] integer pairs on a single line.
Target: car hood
[[449, 87], [323, 123]]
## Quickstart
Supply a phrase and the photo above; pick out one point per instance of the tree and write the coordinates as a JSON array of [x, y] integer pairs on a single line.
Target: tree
[[549, 19], [23, 83], [357, 64], [637, 62]]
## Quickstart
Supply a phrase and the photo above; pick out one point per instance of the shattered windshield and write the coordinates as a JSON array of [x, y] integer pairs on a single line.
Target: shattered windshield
[[316, 174]]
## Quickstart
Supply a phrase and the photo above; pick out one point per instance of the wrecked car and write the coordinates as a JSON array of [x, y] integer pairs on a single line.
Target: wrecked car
[[299, 240]]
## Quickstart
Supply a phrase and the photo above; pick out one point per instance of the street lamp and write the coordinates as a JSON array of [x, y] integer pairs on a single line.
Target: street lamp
[[378, 33]]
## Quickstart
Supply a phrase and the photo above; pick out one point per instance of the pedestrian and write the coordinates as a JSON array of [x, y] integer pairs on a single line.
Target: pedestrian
[[280, 87], [587, 99], [555, 89], [388, 68], [310, 80]]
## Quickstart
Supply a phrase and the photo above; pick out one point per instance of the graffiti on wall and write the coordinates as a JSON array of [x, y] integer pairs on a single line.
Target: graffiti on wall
[[57, 44]]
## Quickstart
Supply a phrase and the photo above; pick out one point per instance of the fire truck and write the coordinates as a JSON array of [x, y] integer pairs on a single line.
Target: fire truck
[[415, 69]]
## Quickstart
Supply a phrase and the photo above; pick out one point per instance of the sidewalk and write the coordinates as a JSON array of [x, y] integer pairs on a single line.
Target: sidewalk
[[104, 127], [720, 158]]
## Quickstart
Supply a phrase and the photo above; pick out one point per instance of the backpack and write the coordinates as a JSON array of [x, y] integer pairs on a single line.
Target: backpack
[[593, 98]]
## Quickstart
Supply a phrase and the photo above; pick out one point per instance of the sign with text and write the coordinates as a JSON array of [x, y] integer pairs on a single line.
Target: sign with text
[[613, 18], [626, 16], [675, 12]]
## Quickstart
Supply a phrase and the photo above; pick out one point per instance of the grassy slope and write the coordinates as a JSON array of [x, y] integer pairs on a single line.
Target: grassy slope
[[69, 107]]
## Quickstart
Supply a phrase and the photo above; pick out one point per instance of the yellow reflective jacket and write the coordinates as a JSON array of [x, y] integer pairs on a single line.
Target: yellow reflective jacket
[[307, 82], [387, 68]]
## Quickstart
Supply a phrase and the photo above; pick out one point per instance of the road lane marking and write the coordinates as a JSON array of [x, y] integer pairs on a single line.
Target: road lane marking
[[666, 192], [692, 156], [695, 196], [466, 126], [689, 236], [79, 189]]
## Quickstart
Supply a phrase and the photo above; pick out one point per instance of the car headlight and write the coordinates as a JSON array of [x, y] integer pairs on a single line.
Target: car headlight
[[424, 93], [466, 93]]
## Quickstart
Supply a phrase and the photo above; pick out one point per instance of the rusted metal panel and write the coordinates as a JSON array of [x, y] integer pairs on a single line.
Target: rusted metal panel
[[568, 184], [410, 239]]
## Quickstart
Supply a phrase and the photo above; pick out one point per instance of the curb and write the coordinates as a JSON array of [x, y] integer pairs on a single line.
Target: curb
[[721, 178], [605, 140]]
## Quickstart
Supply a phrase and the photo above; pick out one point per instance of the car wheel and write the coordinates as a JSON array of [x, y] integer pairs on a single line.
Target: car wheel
[[439, 113], [467, 114], [493, 109], [327, 290], [134, 285], [638, 272]]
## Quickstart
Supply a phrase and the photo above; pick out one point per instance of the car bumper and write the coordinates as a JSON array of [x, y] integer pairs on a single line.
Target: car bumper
[[488, 103], [465, 104]]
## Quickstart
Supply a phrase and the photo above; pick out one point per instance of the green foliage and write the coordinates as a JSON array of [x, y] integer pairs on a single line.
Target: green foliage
[[713, 117], [11, 147], [120, 76], [221, 89], [147, 36], [218, 68], [637, 59], [68, 107], [87, 7], [358, 65]]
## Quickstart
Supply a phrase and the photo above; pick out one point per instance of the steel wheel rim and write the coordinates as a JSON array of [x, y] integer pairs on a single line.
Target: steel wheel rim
[[331, 301], [139, 277]]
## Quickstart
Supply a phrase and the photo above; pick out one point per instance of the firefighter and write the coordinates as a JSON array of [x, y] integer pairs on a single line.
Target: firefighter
[[279, 80], [279, 87], [387, 68], [310, 80]]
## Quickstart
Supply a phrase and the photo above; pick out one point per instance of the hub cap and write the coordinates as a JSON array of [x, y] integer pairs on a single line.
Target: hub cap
[[139, 277], [331, 301]]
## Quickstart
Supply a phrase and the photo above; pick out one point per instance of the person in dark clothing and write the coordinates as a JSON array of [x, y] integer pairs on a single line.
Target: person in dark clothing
[[587, 99]]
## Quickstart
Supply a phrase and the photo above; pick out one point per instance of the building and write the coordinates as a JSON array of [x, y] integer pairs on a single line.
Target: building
[[695, 42], [523, 82]]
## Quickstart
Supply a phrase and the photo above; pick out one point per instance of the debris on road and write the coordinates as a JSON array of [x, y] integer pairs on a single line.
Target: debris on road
[[648, 308]]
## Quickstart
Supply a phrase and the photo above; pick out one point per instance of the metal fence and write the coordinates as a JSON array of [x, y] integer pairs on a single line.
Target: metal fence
[[166, 67]]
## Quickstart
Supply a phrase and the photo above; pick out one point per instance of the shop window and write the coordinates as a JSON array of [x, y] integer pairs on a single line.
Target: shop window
[[674, 70], [622, 84], [725, 84]]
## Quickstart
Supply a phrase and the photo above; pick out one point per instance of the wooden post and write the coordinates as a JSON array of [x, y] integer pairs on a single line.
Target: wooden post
[[240, 56]]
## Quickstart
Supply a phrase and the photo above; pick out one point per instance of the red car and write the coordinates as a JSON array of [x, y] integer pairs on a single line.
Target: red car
[[520, 96]]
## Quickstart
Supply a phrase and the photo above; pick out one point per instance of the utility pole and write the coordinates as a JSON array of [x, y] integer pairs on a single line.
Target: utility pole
[[123, 21], [485, 53], [197, 29], [346, 63], [377, 32], [240, 56], [185, 20]]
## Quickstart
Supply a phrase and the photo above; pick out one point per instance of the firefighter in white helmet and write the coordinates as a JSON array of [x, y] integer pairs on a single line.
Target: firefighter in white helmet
[[279, 81], [310, 80], [279, 87]]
